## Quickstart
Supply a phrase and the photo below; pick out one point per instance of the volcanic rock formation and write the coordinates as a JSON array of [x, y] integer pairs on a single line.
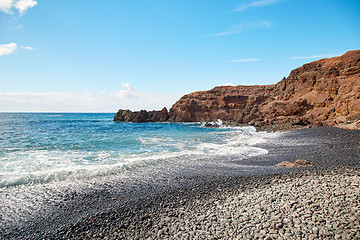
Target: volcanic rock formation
[[324, 92], [142, 116]]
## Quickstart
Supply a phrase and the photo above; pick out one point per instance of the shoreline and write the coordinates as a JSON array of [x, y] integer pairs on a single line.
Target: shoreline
[[140, 212]]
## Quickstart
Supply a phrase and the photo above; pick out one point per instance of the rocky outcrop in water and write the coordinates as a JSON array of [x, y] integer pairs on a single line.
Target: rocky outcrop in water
[[320, 93], [324, 92], [142, 116]]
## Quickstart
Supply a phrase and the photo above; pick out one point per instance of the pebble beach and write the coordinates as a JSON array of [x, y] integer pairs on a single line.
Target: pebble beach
[[311, 205]]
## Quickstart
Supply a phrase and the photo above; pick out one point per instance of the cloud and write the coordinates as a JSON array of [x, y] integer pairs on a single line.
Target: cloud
[[6, 49], [316, 56], [101, 101], [126, 85], [244, 27], [260, 3], [246, 60], [222, 34], [21, 6], [228, 84], [6, 5], [20, 26]]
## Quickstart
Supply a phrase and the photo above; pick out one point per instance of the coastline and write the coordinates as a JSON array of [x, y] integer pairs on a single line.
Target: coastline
[[156, 212]]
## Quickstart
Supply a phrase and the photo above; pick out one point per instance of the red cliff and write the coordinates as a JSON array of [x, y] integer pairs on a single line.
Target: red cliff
[[324, 92]]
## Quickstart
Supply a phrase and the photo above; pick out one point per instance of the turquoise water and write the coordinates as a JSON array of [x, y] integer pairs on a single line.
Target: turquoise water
[[45, 147]]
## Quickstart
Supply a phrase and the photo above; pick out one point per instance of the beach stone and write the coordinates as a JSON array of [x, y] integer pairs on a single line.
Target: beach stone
[[315, 230], [279, 225], [302, 162], [296, 163], [263, 232]]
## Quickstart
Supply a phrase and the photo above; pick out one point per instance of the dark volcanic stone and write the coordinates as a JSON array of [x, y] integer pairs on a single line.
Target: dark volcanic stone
[[141, 116]]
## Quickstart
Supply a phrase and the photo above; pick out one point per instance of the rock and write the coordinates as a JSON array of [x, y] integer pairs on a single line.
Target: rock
[[142, 116], [286, 164], [296, 163], [303, 163], [211, 125]]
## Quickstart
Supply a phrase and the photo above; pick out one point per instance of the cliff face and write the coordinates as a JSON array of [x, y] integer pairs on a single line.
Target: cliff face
[[324, 92]]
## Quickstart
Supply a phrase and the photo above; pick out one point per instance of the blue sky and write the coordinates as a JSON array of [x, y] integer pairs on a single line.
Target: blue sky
[[99, 56]]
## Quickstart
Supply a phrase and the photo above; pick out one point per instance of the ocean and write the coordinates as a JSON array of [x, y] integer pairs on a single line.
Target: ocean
[[38, 148]]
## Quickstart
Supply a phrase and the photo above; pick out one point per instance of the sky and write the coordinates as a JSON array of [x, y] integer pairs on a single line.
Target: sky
[[100, 56]]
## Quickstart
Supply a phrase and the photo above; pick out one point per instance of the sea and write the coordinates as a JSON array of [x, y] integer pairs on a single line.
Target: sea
[[47, 157], [39, 148]]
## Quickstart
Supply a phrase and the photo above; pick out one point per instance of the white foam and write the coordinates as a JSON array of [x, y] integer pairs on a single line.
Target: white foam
[[45, 166], [238, 142]]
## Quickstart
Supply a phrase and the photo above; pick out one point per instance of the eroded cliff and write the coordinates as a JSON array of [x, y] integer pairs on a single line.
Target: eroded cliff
[[324, 92]]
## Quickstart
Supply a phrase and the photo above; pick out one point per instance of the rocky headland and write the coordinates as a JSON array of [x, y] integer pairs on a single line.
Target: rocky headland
[[321, 93]]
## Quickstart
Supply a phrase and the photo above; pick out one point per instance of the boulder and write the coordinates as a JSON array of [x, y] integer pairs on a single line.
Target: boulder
[[295, 164]]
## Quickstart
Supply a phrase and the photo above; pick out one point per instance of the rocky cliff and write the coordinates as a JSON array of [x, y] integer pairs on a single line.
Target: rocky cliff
[[324, 92]]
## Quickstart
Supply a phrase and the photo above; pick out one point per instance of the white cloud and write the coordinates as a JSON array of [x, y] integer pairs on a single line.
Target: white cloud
[[101, 101], [222, 34], [315, 56], [6, 5], [244, 27], [6, 49], [260, 3], [126, 85], [246, 60], [21, 6], [228, 84]]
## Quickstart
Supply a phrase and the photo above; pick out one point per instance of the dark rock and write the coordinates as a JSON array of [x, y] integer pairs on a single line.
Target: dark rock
[[211, 125], [141, 116]]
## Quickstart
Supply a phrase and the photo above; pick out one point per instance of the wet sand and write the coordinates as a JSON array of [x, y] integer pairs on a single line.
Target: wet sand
[[290, 204]]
